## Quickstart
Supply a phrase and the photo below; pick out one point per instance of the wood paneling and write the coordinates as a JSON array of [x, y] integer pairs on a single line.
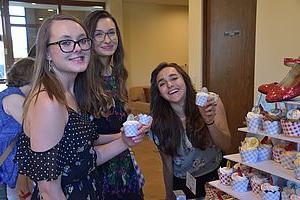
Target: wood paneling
[[229, 57]]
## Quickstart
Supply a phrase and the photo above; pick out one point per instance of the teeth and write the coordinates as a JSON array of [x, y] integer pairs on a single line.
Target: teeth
[[77, 58], [173, 91]]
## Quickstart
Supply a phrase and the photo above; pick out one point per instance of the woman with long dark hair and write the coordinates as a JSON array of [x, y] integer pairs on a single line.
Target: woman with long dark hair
[[120, 177], [189, 138]]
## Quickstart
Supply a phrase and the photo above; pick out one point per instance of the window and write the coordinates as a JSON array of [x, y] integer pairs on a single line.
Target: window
[[2, 58], [23, 19], [18, 33]]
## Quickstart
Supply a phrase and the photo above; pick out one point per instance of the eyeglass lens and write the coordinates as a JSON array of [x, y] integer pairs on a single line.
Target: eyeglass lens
[[100, 35], [68, 46]]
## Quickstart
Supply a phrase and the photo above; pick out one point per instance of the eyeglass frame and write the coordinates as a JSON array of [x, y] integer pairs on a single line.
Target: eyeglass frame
[[106, 34], [75, 42]]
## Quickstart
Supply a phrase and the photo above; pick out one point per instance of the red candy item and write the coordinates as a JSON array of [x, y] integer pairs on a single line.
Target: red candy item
[[264, 140], [289, 147], [219, 195], [271, 180], [239, 171], [250, 170]]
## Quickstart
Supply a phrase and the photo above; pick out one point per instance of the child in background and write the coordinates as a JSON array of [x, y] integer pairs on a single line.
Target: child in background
[[12, 99]]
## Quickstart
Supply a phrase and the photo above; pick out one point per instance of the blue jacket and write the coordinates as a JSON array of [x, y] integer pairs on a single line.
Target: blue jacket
[[9, 129]]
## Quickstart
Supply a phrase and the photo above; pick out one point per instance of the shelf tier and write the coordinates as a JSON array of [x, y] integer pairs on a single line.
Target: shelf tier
[[295, 101], [239, 195], [279, 136], [268, 166]]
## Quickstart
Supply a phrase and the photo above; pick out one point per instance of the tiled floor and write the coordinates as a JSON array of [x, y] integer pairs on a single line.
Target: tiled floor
[[150, 163]]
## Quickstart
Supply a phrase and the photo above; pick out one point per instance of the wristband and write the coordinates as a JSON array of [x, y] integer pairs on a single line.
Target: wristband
[[208, 124]]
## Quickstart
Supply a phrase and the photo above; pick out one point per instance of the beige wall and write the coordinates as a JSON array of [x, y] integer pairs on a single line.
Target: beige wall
[[153, 33], [277, 36], [195, 42], [115, 7], [149, 27]]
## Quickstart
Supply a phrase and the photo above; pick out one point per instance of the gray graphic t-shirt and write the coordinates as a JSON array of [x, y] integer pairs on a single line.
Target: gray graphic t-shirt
[[193, 160]]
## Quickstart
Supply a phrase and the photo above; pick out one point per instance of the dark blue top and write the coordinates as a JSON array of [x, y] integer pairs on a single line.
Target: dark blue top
[[73, 157], [9, 129], [119, 178]]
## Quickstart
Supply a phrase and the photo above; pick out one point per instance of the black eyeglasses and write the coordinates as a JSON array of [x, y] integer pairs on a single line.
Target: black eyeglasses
[[68, 46], [99, 35]]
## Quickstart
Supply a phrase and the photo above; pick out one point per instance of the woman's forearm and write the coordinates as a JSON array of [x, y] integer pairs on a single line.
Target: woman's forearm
[[107, 151], [220, 137], [219, 130], [104, 139], [168, 175], [51, 190], [51, 196]]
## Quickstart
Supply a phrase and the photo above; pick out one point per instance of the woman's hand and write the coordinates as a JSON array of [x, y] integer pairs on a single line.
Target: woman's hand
[[24, 187], [208, 112], [25, 195], [146, 128], [132, 141]]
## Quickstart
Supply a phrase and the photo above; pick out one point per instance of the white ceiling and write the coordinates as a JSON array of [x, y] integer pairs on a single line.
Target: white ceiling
[[168, 2]]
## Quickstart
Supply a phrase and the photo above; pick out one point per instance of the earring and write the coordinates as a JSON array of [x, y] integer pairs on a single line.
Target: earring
[[50, 66]]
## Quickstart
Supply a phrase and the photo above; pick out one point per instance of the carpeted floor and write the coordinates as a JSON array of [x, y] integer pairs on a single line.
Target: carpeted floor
[[149, 161]]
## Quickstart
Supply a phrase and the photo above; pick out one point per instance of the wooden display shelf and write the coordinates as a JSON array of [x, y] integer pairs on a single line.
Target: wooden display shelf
[[239, 195], [279, 136], [268, 166]]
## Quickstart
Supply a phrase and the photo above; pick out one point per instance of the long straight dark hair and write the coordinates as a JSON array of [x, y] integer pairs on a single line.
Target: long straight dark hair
[[101, 101], [167, 126]]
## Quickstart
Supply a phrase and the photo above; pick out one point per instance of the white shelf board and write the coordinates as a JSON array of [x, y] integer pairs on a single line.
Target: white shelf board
[[268, 166], [239, 195], [295, 101], [279, 136]]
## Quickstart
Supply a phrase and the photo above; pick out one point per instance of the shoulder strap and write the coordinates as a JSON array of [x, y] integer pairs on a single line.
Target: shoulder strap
[[8, 150]]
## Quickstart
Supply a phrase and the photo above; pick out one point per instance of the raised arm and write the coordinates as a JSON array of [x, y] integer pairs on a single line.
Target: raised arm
[[44, 124], [216, 120]]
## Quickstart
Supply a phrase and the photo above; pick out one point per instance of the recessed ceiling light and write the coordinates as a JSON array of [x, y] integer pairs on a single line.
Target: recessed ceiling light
[[41, 19], [33, 3], [50, 10]]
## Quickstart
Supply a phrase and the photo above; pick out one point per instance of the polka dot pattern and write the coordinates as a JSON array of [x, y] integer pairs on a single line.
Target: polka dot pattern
[[73, 157]]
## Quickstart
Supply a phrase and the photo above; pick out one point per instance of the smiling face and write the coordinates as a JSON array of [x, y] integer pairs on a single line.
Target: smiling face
[[171, 85], [75, 61], [105, 37]]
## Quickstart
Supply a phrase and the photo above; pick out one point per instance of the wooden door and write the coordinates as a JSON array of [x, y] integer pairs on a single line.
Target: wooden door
[[229, 57]]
